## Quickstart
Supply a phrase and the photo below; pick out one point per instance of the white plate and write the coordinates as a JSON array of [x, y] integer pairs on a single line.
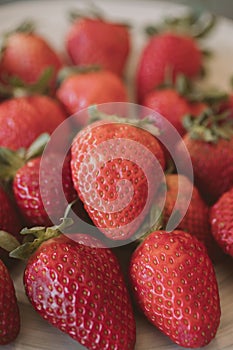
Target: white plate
[[51, 19]]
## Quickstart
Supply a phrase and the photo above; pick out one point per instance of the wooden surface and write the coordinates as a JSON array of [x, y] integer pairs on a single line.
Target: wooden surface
[[50, 17]]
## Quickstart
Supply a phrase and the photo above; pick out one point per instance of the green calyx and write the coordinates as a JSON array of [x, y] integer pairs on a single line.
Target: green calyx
[[186, 88], [182, 84], [145, 123], [12, 161], [27, 27], [91, 11], [35, 236], [16, 87], [211, 96], [7, 241], [196, 24], [209, 127]]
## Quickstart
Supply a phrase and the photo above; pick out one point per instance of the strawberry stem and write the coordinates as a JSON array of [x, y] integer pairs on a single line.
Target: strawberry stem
[[68, 208]]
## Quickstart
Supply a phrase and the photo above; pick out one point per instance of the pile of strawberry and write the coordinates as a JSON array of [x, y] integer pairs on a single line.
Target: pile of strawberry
[[77, 284]]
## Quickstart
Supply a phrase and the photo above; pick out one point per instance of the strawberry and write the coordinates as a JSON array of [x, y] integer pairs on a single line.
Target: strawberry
[[97, 41], [79, 91], [108, 158], [195, 213], [36, 193], [79, 289], [170, 105], [9, 221], [24, 119], [9, 311], [175, 285], [221, 219], [26, 55], [210, 145], [163, 53]]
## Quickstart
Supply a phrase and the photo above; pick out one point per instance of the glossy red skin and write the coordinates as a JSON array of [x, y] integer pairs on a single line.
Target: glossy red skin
[[103, 187], [24, 119], [26, 56], [9, 221], [195, 216], [170, 105], [9, 311], [174, 284], [33, 187], [79, 91], [212, 166], [162, 52], [94, 41], [221, 219], [80, 290]]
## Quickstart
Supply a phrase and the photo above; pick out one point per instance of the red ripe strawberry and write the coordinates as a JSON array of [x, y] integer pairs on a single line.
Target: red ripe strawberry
[[26, 55], [210, 146], [166, 52], [195, 214], [36, 191], [24, 119], [9, 311], [106, 157], [170, 105], [221, 219], [79, 91], [80, 289], [9, 221], [174, 283], [96, 41]]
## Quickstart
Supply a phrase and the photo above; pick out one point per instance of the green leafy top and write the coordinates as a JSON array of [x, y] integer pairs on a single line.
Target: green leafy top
[[12, 161], [145, 123], [209, 127], [16, 87], [196, 24]]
